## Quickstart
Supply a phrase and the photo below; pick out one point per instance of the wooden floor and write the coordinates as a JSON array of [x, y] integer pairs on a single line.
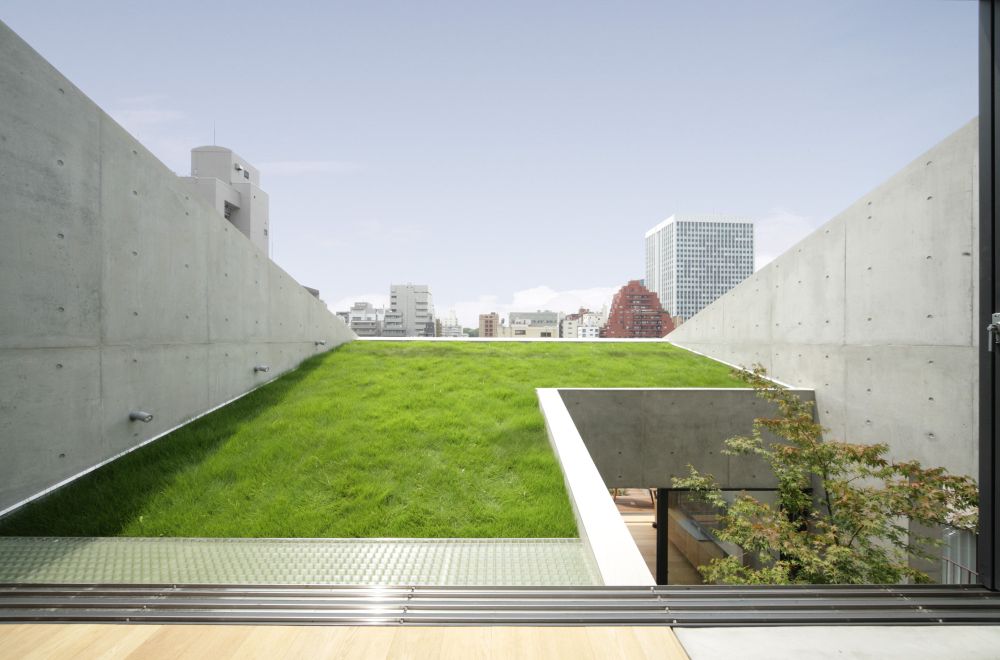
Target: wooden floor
[[679, 569], [221, 642], [636, 507], [218, 642]]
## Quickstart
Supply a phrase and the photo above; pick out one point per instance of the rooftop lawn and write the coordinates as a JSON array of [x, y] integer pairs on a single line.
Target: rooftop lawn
[[373, 439]]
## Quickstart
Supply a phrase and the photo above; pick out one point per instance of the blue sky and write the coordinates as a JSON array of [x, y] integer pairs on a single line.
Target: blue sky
[[512, 155]]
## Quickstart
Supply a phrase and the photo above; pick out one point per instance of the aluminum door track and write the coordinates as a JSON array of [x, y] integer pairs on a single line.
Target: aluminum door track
[[674, 606]]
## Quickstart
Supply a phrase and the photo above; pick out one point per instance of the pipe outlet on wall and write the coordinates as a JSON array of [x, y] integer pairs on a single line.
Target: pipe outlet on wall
[[320, 342], [261, 367], [140, 416]]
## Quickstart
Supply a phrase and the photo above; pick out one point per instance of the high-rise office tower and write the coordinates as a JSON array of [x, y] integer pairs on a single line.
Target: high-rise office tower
[[692, 260]]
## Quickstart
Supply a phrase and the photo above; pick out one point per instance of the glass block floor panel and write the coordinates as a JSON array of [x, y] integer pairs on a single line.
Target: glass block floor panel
[[396, 562]]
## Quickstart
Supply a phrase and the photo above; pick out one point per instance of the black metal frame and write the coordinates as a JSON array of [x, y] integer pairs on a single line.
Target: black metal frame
[[662, 536], [988, 550]]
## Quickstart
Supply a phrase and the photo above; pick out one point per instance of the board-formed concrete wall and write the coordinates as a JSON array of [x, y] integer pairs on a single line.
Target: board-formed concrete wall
[[645, 437], [875, 311], [118, 292]]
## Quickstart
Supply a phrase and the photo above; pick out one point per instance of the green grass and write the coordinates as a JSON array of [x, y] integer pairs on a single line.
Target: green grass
[[373, 439]]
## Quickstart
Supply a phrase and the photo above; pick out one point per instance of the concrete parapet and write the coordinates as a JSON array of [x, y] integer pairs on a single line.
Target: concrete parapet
[[875, 311]]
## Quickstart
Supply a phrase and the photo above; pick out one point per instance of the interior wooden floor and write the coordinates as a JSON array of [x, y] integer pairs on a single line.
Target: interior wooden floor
[[220, 642], [679, 569], [636, 508]]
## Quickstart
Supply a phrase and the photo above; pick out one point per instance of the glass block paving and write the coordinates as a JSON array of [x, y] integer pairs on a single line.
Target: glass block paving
[[369, 562]]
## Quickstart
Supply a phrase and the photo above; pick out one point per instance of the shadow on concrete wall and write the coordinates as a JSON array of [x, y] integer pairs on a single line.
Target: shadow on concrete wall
[[106, 501], [644, 437]]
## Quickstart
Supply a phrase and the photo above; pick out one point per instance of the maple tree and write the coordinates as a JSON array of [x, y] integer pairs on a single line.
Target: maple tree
[[842, 510]]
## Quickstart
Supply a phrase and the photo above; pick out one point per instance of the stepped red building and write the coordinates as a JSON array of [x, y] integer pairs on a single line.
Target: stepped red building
[[636, 312]]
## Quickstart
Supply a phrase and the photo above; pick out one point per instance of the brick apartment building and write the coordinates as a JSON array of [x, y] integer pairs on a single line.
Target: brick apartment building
[[636, 312], [489, 325]]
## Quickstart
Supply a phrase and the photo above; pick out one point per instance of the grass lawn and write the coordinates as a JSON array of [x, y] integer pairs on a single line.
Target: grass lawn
[[373, 439]]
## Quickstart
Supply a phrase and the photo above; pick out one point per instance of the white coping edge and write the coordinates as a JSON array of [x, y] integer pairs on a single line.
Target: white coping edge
[[275, 540], [18, 505], [602, 528], [664, 389], [734, 366], [565, 340], [623, 340]]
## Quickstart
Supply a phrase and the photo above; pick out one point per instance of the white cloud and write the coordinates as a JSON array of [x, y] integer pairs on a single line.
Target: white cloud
[[386, 232], [302, 167], [533, 299], [137, 113], [778, 231], [343, 304], [159, 128], [526, 300], [140, 118], [143, 99]]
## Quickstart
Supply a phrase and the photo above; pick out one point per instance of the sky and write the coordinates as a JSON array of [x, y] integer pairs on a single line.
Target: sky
[[512, 155]]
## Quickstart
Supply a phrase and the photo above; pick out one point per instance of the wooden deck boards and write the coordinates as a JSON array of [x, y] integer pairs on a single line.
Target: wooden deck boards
[[219, 642]]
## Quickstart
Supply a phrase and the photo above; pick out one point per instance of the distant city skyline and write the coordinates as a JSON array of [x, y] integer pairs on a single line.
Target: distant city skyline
[[512, 156]]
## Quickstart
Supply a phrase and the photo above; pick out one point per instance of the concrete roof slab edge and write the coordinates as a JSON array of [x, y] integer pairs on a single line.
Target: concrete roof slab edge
[[601, 527], [672, 389]]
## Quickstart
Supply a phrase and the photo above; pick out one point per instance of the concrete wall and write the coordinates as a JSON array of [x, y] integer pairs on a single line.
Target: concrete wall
[[645, 437], [875, 311], [118, 290]]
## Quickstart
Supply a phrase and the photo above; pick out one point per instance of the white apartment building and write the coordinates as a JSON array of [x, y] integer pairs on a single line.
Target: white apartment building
[[590, 319], [366, 320], [583, 324], [528, 331], [450, 326], [232, 187], [570, 326], [393, 325], [691, 260], [590, 324], [535, 318], [533, 324], [411, 311]]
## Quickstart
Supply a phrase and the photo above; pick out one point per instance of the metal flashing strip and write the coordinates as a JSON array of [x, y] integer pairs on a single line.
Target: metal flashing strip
[[673, 606], [579, 340]]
